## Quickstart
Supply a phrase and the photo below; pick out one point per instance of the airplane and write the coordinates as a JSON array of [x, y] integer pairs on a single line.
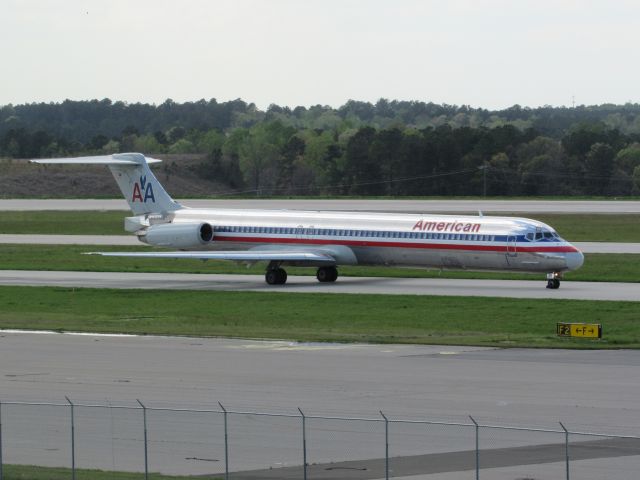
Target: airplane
[[326, 240]]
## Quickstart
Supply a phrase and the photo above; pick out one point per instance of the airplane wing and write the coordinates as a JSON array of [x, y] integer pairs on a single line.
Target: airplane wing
[[239, 256]]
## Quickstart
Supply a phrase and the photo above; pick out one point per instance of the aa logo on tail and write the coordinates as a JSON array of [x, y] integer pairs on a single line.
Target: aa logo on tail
[[145, 187]]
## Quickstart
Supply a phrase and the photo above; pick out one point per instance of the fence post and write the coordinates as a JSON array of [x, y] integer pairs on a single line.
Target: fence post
[[226, 444], [477, 447], [566, 449], [304, 443], [73, 441], [146, 455], [1, 477], [386, 445]]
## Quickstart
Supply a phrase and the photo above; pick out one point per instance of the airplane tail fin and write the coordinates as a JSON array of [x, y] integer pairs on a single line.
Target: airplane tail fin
[[138, 184]]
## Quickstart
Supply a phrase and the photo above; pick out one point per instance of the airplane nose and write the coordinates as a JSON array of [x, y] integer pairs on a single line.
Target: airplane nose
[[574, 260]]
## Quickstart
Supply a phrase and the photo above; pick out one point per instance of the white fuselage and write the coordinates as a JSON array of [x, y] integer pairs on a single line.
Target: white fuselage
[[436, 241]]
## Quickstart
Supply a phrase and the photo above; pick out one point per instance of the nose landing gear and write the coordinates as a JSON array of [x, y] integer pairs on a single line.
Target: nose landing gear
[[553, 280]]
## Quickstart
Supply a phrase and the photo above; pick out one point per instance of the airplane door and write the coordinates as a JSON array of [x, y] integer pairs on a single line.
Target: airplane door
[[512, 250]]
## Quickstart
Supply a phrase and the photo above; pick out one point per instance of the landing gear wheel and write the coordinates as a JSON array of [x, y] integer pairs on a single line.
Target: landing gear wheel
[[276, 276], [327, 274], [553, 283]]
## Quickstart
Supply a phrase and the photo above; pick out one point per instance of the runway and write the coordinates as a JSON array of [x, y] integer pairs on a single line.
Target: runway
[[397, 206], [587, 390], [302, 284], [132, 240]]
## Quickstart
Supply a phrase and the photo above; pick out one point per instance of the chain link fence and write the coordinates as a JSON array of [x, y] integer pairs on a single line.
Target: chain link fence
[[227, 444]]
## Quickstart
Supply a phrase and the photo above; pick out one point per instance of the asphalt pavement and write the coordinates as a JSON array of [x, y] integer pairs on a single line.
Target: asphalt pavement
[[396, 206], [589, 391], [299, 284]]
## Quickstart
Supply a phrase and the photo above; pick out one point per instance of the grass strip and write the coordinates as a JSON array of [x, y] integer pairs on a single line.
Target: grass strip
[[31, 472], [573, 227], [499, 322], [63, 222], [598, 267]]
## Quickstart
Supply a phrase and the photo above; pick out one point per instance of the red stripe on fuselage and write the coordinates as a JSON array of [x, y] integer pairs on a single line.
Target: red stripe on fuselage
[[368, 243]]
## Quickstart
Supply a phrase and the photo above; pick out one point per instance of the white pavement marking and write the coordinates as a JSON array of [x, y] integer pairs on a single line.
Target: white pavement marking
[[299, 284], [31, 239]]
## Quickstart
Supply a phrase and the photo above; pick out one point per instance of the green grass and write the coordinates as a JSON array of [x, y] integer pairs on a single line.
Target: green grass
[[500, 322], [592, 227], [573, 227], [597, 267], [30, 472], [64, 222]]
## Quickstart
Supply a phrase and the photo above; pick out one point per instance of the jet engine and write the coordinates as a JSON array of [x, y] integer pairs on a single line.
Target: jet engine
[[178, 235]]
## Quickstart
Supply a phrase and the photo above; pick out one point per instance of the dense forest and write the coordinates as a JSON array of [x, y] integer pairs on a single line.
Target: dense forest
[[387, 148]]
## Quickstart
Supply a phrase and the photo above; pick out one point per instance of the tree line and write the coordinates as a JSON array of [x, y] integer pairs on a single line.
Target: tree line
[[387, 148]]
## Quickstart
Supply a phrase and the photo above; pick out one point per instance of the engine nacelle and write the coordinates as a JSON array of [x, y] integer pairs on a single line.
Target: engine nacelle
[[178, 235]]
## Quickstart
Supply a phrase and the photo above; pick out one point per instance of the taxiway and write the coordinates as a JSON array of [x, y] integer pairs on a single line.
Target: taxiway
[[369, 285]]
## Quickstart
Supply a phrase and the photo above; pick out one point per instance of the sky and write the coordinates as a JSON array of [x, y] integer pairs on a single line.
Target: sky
[[484, 53]]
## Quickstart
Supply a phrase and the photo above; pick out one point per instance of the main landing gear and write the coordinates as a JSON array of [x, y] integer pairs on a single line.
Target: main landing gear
[[276, 275], [553, 280], [327, 274]]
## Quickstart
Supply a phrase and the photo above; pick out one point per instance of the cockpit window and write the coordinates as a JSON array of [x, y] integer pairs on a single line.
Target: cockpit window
[[541, 235]]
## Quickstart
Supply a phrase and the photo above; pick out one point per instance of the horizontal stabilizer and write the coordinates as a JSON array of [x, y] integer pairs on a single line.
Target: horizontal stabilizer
[[115, 159], [239, 256], [137, 182]]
